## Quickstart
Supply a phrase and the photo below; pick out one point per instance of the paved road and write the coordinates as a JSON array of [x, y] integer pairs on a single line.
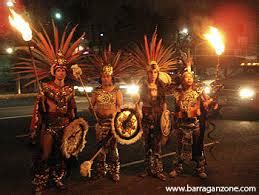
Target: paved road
[[24, 109], [14, 109], [232, 162]]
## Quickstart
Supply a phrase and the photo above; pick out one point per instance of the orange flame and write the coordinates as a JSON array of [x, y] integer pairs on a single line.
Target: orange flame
[[21, 25], [216, 40]]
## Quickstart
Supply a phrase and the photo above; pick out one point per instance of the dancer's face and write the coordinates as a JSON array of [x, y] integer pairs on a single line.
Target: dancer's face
[[60, 73], [187, 80], [152, 75], [106, 80]]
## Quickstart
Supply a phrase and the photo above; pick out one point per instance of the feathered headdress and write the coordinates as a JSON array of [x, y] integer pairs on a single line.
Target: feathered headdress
[[154, 55], [49, 54], [188, 64], [108, 62]]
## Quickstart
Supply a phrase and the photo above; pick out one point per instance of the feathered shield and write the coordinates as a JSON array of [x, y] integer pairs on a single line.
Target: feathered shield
[[73, 140], [126, 128]]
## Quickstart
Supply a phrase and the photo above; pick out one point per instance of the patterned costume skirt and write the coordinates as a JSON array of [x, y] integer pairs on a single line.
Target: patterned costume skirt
[[187, 137], [108, 159]]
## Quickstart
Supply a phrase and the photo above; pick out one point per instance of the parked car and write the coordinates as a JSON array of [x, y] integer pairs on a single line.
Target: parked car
[[241, 90]]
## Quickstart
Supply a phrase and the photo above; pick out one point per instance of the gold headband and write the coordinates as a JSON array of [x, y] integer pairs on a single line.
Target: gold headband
[[107, 69], [153, 66], [187, 72], [60, 60], [54, 67]]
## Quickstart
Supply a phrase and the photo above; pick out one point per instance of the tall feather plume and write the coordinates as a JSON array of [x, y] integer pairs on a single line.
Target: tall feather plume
[[45, 52], [153, 46], [147, 48], [74, 46], [44, 46], [63, 38], [67, 42], [45, 34], [155, 50], [158, 48], [119, 62], [56, 38]]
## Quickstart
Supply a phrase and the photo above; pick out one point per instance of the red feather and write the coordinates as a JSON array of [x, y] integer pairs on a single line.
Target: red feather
[[63, 37], [158, 48], [48, 40], [147, 49], [67, 42], [74, 46], [153, 46], [56, 39]]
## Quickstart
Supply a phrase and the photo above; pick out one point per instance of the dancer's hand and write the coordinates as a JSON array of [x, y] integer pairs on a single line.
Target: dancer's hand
[[77, 71]]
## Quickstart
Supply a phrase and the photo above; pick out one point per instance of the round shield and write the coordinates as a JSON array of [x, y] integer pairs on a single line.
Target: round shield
[[73, 140], [165, 123], [126, 128]]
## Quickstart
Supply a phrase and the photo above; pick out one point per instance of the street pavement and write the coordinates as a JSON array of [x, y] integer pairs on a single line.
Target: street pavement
[[23, 108], [232, 162]]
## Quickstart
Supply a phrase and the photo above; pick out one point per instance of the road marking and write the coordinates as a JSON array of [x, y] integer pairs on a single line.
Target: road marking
[[163, 156], [141, 161], [28, 106], [24, 116], [14, 117], [15, 107]]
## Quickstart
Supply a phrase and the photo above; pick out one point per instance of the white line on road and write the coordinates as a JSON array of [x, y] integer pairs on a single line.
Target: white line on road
[[25, 107], [163, 156], [141, 161], [24, 116], [14, 117], [15, 107]]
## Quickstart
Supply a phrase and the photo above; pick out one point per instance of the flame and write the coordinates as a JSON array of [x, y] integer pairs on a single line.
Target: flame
[[21, 25], [216, 40]]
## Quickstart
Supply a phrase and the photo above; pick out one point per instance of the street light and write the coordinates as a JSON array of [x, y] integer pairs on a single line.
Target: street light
[[9, 50], [58, 15]]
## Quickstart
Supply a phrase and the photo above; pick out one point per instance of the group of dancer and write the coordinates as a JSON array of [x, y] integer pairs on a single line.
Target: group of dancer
[[55, 107]]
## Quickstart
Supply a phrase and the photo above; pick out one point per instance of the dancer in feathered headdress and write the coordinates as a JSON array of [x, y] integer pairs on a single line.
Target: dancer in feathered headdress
[[154, 60], [190, 110], [106, 100], [55, 106]]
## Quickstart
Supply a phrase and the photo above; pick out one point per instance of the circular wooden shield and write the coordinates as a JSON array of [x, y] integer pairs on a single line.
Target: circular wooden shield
[[126, 127]]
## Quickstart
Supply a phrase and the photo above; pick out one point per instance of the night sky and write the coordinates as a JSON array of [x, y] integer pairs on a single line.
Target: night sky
[[125, 21]]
